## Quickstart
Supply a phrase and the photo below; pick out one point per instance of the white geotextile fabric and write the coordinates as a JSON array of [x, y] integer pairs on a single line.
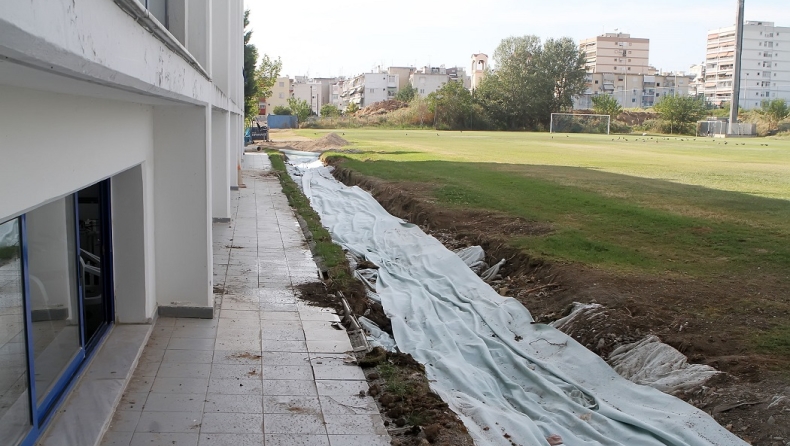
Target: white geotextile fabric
[[484, 357]]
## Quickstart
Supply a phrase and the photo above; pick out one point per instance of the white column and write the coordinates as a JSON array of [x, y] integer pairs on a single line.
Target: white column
[[134, 298], [220, 161], [236, 146], [220, 43], [182, 136]]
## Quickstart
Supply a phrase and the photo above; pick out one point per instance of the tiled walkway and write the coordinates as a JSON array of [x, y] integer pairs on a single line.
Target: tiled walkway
[[268, 369]]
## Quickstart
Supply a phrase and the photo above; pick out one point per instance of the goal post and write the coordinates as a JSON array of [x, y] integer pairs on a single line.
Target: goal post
[[579, 123]]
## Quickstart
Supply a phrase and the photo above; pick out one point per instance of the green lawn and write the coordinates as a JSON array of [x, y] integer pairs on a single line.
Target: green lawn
[[696, 207]]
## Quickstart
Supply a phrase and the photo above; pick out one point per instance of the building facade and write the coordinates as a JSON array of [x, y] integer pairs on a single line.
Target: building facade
[[310, 92], [106, 211], [365, 89], [634, 90], [765, 64], [282, 90], [617, 53], [426, 80]]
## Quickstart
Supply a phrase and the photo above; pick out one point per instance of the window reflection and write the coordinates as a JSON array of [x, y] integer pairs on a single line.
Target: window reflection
[[14, 399], [52, 269]]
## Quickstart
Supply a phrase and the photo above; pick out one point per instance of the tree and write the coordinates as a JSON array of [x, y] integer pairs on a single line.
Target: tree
[[774, 112], [680, 111], [604, 104], [281, 110], [531, 81], [406, 94], [251, 95], [352, 108], [330, 110], [267, 74], [451, 105], [300, 108]]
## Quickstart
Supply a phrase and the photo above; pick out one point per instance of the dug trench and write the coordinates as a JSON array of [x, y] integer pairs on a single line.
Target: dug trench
[[752, 395]]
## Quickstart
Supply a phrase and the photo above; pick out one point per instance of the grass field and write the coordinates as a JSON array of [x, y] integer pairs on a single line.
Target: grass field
[[649, 204]]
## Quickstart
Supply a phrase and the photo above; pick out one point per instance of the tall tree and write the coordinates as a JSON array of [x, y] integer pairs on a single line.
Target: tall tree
[[680, 112], [605, 104], [268, 72], [451, 105], [774, 112], [407, 93], [251, 94], [531, 81], [300, 108]]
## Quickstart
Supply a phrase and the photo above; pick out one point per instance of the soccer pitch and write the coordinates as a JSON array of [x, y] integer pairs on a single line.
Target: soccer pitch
[[690, 205]]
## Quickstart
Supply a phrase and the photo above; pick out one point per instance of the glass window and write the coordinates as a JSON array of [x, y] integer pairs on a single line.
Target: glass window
[[52, 273], [14, 399]]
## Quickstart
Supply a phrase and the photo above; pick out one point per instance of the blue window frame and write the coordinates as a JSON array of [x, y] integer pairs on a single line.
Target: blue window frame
[[92, 324]]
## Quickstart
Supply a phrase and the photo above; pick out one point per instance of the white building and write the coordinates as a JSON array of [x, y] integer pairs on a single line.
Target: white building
[[765, 64], [310, 92], [429, 79], [366, 89], [121, 139], [633, 90]]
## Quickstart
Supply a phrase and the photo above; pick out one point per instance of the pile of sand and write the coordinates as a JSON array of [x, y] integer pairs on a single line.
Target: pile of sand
[[328, 141]]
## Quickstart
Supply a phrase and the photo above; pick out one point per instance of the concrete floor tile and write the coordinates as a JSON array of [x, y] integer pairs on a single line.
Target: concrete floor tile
[[240, 306], [124, 421], [140, 384], [296, 440], [285, 358], [359, 440], [152, 355], [175, 402], [339, 372], [290, 372], [179, 385], [231, 440], [183, 370], [145, 368], [190, 344], [234, 324], [293, 424], [334, 359], [277, 307], [187, 357], [283, 346], [341, 388], [275, 333], [325, 334], [168, 438], [237, 344], [313, 314], [240, 357], [340, 346], [237, 315], [236, 386], [291, 404], [194, 332], [289, 387], [354, 424], [117, 438], [188, 422], [249, 333], [352, 405], [279, 316], [232, 423], [216, 402], [132, 401], [235, 371]]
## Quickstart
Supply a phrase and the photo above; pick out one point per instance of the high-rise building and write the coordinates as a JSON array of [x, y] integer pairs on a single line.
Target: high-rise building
[[765, 64], [617, 53]]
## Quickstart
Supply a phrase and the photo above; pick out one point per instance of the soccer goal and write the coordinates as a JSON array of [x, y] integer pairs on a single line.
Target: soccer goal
[[573, 123]]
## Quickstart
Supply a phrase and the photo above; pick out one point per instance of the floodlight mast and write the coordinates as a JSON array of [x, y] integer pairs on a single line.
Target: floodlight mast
[[736, 81]]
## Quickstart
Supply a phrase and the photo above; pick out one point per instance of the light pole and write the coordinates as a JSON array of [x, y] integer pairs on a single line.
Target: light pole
[[736, 81]]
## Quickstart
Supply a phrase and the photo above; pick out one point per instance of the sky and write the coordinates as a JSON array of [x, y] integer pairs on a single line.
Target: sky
[[319, 38]]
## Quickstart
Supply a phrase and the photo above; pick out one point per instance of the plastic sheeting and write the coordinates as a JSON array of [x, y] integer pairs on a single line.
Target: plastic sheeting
[[500, 372], [658, 365], [376, 336]]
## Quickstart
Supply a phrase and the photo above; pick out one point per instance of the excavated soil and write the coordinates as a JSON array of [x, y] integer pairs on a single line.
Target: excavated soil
[[709, 321], [326, 142]]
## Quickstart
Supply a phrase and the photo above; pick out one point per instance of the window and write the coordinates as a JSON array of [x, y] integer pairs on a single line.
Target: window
[[596, 82], [629, 68], [615, 69], [629, 60], [282, 95]]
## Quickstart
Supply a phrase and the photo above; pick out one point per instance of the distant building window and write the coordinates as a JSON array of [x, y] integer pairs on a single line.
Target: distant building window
[[282, 95], [596, 82]]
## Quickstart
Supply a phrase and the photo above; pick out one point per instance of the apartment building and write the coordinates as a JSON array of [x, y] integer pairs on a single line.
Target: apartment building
[[310, 92], [765, 64], [617, 53], [106, 211], [426, 80], [366, 89], [282, 90], [403, 74], [634, 90]]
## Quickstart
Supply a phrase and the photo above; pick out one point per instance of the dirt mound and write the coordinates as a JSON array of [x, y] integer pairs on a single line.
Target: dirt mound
[[382, 108], [636, 117], [328, 141]]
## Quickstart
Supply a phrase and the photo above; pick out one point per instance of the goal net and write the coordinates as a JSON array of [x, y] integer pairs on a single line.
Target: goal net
[[573, 123]]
